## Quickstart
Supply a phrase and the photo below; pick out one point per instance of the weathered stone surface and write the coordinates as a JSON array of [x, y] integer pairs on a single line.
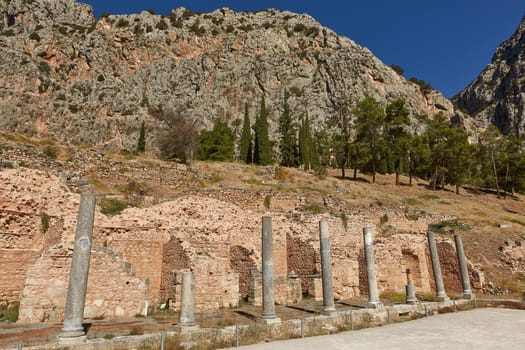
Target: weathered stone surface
[[81, 80], [136, 254], [497, 95]]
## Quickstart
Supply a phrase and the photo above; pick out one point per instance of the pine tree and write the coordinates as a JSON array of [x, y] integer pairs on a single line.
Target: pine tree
[[370, 117], [396, 135], [141, 144], [288, 139], [216, 144], [262, 154], [245, 147]]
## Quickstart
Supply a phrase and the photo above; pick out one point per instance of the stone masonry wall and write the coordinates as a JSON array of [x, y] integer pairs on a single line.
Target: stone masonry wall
[[141, 246], [113, 290]]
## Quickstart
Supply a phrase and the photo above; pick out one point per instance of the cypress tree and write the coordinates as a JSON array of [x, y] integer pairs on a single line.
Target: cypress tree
[[287, 142], [245, 147], [263, 149], [307, 150]]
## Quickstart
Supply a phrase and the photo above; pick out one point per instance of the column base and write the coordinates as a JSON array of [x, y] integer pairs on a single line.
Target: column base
[[73, 337], [411, 301], [374, 305], [269, 320], [468, 295], [329, 312], [186, 328], [442, 299]]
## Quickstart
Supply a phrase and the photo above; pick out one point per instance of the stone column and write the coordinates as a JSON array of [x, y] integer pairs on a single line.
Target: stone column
[[410, 289], [187, 300], [268, 301], [463, 268], [436, 268], [326, 267], [73, 329], [373, 296]]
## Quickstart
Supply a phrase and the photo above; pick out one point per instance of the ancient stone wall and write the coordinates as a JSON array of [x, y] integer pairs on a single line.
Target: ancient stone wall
[[242, 262], [140, 246], [173, 258], [113, 290], [286, 290]]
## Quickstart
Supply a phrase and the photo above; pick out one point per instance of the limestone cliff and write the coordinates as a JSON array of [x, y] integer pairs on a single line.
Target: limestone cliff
[[497, 96], [69, 76]]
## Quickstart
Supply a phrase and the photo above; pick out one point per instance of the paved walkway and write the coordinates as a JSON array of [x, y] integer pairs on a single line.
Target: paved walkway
[[487, 328]]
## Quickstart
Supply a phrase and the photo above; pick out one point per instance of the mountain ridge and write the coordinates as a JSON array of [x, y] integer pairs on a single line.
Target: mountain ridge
[[82, 80]]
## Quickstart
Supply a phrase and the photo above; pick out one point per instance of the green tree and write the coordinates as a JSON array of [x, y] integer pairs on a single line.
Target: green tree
[[262, 153], [216, 144], [419, 157], [288, 138], [141, 143], [341, 139], [245, 147], [369, 121], [458, 157], [308, 152], [491, 156], [436, 135], [396, 133], [515, 163]]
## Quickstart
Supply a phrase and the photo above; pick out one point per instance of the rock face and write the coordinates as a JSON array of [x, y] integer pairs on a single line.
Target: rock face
[[497, 96], [82, 80]]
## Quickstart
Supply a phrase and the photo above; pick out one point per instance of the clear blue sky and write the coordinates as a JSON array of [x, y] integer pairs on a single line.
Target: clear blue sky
[[446, 43]]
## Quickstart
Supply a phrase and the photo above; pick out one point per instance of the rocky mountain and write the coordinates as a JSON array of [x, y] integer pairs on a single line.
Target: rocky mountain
[[497, 96], [69, 76]]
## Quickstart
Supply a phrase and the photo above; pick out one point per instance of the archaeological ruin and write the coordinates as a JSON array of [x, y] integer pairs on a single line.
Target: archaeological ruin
[[140, 258]]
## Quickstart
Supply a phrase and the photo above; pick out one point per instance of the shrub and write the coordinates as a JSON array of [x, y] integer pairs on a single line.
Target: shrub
[[34, 36], [267, 201], [8, 32], [108, 336], [44, 67], [162, 25], [299, 27], [50, 152], [112, 206], [313, 208], [44, 221], [230, 29], [384, 219], [10, 313], [122, 22]]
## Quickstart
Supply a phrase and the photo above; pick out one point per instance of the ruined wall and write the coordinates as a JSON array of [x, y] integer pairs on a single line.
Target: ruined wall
[[449, 267], [20, 245], [113, 291], [25, 197], [242, 263], [173, 258], [140, 246], [286, 290], [393, 256], [302, 259]]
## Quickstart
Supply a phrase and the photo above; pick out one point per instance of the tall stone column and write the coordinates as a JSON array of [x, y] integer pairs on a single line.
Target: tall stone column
[[436, 268], [463, 268], [187, 300], [373, 296], [326, 267], [410, 289], [78, 276], [268, 299]]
